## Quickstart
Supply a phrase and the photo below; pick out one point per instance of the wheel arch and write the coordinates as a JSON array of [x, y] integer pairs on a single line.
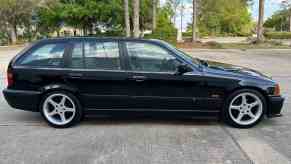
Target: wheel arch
[[58, 87], [258, 89]]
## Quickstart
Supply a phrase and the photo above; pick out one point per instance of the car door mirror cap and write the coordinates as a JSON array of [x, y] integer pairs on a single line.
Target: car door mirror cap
[[183, 68]]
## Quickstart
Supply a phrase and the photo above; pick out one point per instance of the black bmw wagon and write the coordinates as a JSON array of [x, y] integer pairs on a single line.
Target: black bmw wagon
[[67, 78]]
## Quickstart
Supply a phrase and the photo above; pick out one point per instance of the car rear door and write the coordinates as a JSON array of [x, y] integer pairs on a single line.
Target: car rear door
[[97, 71]]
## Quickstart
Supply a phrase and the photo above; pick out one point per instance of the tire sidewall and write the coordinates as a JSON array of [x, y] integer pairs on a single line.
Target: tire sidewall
[[78, 115], [226, 114]]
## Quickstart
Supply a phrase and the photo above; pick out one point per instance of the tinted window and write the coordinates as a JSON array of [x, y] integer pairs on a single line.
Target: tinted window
[[102, 55], [150, 58], [77, 55], [50, 55]]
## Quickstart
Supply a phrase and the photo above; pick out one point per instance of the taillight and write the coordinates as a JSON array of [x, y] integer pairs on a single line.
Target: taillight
[[277, 90], [9, 78]]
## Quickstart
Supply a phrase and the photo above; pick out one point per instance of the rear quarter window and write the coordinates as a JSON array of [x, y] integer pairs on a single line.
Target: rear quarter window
[[45, 55]]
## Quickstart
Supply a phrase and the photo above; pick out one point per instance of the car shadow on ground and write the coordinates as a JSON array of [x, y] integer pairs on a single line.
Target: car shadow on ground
[[148, 120], [31, 119]]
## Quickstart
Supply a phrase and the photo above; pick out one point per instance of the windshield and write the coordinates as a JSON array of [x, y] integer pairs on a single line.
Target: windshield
[[188, 57], [183, 54]]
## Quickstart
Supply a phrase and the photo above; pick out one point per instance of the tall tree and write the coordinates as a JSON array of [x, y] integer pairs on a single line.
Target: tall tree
[[15, 13], [174, 4], [286, 4], [50, 17], [126, 18], [221, 17], [194, 21], [260, 36], [136, 9], [280, 20], [154, 23], [145, 16]]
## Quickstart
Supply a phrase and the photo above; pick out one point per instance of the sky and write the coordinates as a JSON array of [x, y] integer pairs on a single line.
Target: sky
[[271, 6]]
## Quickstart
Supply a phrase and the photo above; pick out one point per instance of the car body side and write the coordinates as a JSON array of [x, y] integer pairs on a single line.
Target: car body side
[[203, 91]]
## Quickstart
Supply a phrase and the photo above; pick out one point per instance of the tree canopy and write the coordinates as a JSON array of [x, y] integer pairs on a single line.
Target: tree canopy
[[223, 17], [38, 18]]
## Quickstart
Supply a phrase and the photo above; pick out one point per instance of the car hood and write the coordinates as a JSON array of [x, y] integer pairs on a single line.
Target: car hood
[[233, 69]]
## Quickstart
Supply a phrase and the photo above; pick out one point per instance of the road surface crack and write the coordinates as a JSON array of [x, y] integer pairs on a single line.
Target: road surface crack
[[237, 144]]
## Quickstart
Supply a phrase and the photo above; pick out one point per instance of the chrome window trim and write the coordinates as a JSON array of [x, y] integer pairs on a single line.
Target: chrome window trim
[[84, 69], [97, 70]]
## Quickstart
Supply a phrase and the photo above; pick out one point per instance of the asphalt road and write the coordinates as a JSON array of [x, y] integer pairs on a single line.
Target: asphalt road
[[25, 137]]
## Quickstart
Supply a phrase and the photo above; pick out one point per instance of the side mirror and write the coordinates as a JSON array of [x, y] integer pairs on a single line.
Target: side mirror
[[183, 68]]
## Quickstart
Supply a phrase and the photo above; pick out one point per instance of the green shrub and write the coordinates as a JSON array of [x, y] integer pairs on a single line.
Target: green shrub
[[278, 35], [3, 39]]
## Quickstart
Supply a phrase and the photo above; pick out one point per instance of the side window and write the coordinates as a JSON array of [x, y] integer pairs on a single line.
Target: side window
[[150, 58], [77, 55], [48, 55], [102, 55]]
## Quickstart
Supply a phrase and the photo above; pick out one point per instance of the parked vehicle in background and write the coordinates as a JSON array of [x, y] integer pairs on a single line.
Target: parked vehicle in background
[[67, 78]]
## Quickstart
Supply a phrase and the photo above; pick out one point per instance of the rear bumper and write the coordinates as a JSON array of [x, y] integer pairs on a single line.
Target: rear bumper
[[275, 106], [21, 99]]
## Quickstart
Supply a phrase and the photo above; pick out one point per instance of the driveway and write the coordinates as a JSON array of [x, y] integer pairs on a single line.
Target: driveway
[[25, 137]]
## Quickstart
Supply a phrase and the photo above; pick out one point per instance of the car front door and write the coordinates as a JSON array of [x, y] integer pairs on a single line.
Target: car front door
[[154, 80], [96, 70]]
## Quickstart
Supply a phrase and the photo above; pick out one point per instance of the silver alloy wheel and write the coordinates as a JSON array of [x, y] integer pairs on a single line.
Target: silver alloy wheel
[[246, 108], [59, 109]]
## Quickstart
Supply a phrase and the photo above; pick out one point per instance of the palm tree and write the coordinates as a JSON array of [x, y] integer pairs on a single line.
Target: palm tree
[[260, 36], [154, 24], [136, 30], [194, 22], [126, 18]]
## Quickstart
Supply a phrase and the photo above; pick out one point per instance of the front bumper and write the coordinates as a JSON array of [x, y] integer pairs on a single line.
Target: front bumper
[[24, 100], [275, 106]]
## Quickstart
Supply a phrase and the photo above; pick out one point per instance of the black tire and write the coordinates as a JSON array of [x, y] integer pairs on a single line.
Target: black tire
[[226, 112], [78, 111]]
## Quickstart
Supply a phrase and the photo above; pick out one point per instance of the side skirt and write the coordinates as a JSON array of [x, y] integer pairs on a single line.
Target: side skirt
[[154, 113]]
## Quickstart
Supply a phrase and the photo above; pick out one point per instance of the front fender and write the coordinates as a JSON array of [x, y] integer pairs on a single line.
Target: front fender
[[267, 88]]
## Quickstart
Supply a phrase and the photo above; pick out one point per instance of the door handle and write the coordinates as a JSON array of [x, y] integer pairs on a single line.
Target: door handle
[[139, 78], [75, 75]]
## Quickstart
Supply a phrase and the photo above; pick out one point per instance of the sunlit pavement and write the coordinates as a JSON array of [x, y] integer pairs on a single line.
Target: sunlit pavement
[[25, 137]]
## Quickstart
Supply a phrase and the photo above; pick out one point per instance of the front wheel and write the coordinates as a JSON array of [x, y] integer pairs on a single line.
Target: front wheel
[[61, 109], [244, 108]]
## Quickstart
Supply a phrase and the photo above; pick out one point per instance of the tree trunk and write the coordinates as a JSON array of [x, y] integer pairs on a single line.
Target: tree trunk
[[260, 36], [75, 32], [194, 22], [91, 29], [58, 33], [180, 32], [29, 27], [289, 23], [136, 30], [13, 34], [84, 30], [154, 24], [126, 18]]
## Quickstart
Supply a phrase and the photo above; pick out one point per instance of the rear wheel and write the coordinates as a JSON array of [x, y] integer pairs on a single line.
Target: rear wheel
[[244, 108], [61, 109]]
